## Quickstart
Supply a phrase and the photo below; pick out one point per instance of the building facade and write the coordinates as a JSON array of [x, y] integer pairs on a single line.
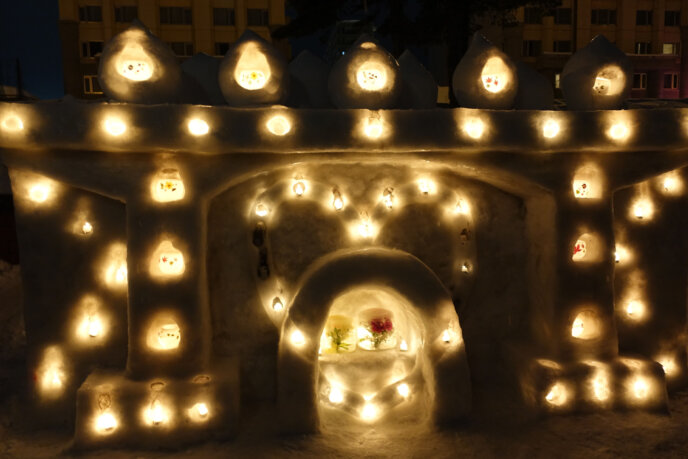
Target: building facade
[[651, 32], [190, 27]]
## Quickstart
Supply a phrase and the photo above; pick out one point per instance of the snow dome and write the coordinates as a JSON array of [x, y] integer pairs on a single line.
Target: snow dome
[[358, 266]]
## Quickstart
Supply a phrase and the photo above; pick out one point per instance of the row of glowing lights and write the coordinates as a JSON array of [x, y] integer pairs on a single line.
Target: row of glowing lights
[[156, 414], [560, 394], [370, 411], [373, 127], [365, 229]]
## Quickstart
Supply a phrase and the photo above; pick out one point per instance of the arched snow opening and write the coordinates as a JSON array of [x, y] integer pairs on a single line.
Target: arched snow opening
[[425, 358]]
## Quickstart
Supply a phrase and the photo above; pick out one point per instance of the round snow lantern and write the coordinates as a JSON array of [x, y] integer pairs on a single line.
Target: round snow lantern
[[138, 67], [597, 77], [367, 76], [485, 77], [253, 72]]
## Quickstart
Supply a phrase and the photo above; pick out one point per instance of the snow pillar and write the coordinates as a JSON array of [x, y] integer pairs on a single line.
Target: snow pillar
[[169, 323], [584, 302]]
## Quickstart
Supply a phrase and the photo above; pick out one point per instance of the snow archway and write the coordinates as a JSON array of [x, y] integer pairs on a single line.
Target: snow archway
[[448, 382]]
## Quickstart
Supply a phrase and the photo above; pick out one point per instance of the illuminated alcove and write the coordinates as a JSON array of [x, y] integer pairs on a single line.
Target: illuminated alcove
[[350, 282], [371, 357]]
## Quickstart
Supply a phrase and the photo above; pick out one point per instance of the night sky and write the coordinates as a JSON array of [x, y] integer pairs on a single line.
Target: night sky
[[29, 32]]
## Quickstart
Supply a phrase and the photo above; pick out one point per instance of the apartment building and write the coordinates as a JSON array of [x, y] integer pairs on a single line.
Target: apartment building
[[188, 26], [652, 32]]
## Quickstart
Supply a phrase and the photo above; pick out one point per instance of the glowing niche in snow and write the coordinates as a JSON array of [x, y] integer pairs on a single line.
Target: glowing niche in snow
[[114, 126], [12, 123], [586, 325], [163, 333], [610, 81], [495, 75], [134, 64], [278, 125], [167, 186], [167, 261], [557, 395], [371, 76], [252, 71]]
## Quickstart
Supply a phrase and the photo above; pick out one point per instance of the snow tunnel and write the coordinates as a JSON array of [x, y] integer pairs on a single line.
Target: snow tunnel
[[371, 332]]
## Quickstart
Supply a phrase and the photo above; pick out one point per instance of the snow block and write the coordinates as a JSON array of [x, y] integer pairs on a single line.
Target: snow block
[[308, 84], [597, 77], [253, 72], [420, 88], [203, 69], [113, 411], [485, 77], [534, 90]]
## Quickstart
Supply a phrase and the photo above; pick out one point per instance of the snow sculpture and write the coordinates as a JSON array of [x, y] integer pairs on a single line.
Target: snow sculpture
[[534, 90], [367, 76], [420, 88], [203, 70], [253, 72], [485, 77], [308, 81], [597, 77], [138, 67]]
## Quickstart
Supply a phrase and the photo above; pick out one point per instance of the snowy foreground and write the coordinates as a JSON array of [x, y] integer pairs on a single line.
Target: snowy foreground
[[616, 434]]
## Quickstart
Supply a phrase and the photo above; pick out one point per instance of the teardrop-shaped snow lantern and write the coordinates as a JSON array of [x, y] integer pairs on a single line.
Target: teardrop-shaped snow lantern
[[597, 77], [253, 72], [138, 67], [485, 77], [367, 76]]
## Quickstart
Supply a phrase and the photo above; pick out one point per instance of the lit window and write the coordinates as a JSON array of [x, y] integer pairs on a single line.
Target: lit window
[[670, 48]]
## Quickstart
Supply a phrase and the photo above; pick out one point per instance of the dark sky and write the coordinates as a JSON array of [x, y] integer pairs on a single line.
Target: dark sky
[[29, 32]]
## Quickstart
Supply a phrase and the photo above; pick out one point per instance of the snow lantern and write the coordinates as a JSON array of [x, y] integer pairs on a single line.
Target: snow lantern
[[164, 333], [167, 186], [138, 67], [485, 77], [586, 325], [253, 72], [597, 77], [587, 182], [167, 261], [367, 76]]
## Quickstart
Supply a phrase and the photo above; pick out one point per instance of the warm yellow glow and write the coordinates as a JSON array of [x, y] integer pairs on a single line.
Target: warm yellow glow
[[277, 304], [642, 209], [403, 390], [337, 201], [446, 336], [609, 81], [669, 365], [201, 409], [621, 254], [671, 184], [586, 325], [600, 386], [169, 336], [474, 128], [87, 228], [369, 412], [105, 422], [426, 186], [93, 325], [167, 261], [115, 273], [618, 131], [635, 309], [262, 210], [278, 125], [299, 188], [587, 182], [336, 395], [550, 129], [252, 70], [156, 413], [114, 126], [198, 127], [51, 374], [403, 346], [640, 388], [12, 123], [462, 207], [388, 197], [557, 395], [495, 75], [371, 76], [365, 229], [579, 250], [297, 338], [39, 192], [167, 186], [134, 64]]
